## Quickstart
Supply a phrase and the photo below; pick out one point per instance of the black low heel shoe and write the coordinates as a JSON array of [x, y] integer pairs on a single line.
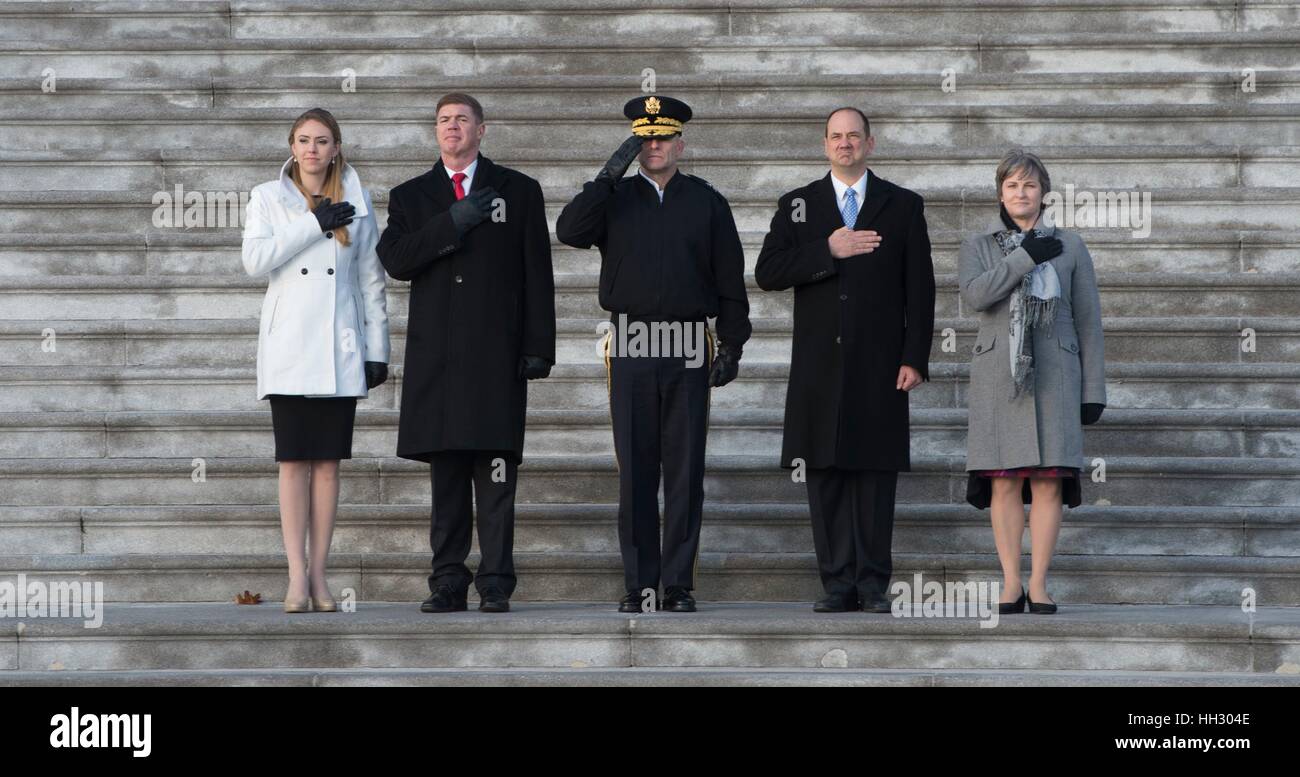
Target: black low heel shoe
[[1010, 608], [1038, 608]]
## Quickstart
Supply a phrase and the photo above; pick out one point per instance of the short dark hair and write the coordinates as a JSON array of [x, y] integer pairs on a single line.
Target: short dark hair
[[866, 123], [460, 98]]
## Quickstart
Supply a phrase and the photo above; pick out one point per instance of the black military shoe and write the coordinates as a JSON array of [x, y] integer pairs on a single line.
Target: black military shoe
[[444, 599], [678, 599], [876, 603], [631, 603], [493, 600], [837, 603]]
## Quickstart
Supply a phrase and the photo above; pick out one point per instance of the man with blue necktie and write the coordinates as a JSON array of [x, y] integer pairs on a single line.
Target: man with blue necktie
[[856, 251]]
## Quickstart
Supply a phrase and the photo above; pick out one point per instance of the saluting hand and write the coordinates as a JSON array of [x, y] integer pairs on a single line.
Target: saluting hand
[[621, 160], [845, 242]]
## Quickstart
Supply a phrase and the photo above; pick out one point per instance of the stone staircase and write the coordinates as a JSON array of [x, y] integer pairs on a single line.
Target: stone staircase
[[153, 373]]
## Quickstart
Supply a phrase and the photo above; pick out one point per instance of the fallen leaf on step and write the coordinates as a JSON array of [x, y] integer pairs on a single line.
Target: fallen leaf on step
[[248, 598]]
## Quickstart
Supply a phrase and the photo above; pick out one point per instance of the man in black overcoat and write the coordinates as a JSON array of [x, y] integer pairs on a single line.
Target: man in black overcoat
[[855, 249], [471, 237]]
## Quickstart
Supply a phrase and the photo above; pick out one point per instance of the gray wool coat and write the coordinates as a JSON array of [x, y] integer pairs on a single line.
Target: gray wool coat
[[1042, 427]]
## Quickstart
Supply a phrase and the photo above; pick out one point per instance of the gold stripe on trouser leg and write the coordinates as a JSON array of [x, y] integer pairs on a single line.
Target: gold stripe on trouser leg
[[609, 394], [708, 406]]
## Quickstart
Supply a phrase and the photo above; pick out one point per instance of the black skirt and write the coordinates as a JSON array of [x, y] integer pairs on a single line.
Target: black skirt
[[312, 427]]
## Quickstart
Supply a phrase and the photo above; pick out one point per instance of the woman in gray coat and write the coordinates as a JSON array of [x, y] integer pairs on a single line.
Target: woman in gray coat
[[1037, 373]]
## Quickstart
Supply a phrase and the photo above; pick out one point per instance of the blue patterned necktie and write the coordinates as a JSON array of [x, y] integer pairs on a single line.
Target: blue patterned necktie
[[850, 210]]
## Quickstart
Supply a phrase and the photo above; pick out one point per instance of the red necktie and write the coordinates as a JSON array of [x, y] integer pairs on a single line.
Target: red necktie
[[460, 190]]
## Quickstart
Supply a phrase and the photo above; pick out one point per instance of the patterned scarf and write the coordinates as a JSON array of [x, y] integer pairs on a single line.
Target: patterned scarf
[[1033, 305]]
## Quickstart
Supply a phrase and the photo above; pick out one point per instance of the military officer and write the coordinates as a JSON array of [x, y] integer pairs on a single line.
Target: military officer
[[671, 259]]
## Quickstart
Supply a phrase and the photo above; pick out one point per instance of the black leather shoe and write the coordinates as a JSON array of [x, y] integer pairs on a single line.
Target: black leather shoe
[[1010, 608], [678, 599], [877, 603], [631, 603], [1038, 608], [444, 599], [493, 600], [837, 603]]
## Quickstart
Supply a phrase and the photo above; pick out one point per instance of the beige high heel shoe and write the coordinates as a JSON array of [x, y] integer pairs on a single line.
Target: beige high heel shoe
[[297, 605], [324, 605]]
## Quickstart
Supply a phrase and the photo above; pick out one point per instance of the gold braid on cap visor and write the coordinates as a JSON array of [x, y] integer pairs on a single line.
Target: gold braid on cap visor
[[655, 127]]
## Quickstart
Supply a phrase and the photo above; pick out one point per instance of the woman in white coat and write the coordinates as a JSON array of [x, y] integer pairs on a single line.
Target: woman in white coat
[[323, 339]]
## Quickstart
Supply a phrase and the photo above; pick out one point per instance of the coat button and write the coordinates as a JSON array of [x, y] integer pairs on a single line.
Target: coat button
[[330, 271], [304, 271], [458, 279], [837, 338], [844, 296], [329, 234]]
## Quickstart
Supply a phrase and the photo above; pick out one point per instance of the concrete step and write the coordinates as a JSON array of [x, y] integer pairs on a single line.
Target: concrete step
[[835, 53], [720, 577], [600, 125], [927, 529], [704, 91], [1226, 256], [90, 211], [560, 479], [740, 173], [590, 636], [234, 434], [1200, 500], [582, 386], [231, 297], [232, 342], [640, 677], [1133, 339], [216, 20]]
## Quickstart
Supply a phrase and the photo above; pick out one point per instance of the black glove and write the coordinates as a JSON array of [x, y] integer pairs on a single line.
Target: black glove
[[1006, 218], [622, 159], [332, 216], [376, 373], [1090, 413], [1041, 248], [473, 209], [726, 365], [534, 367]]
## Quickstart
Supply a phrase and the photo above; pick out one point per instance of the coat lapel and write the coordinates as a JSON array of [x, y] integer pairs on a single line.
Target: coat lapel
[[877, 197], [488, 174], [352, 191], [436, 185], [826, 205]]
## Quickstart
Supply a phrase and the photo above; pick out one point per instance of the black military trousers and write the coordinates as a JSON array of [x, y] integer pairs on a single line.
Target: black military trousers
[[452, 475], [660, 411], [853, 528]]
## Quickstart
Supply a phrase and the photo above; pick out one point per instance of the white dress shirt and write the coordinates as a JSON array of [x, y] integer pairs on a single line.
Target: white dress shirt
[[469, 174], [860, 187]]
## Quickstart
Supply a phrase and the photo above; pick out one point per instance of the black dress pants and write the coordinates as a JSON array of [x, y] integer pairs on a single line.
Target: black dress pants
[[660, 411], [452, 475], [853, 527]]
